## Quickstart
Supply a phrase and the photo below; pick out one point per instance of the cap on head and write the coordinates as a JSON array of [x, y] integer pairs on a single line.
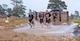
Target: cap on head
[[30, 11]]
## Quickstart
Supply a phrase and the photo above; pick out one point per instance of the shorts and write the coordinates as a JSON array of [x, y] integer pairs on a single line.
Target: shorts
[[30, 20], [41, 20], [54, 17], [48, 21]]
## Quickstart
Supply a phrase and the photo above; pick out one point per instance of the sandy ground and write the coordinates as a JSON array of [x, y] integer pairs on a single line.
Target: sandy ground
[[8, 35]]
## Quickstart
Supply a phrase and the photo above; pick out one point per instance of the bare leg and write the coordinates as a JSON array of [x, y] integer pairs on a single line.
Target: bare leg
[[30, 25], [48, 25], [42, 25]]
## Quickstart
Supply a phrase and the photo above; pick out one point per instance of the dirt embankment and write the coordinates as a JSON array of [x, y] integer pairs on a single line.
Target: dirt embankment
[[12, 22], [7, 35]]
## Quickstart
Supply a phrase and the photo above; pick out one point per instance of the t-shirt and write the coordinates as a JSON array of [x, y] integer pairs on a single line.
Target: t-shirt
[[31, 16], [47, 15], [41, 16], [54, 16]]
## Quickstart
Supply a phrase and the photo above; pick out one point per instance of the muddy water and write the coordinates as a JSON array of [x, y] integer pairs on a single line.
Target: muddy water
[[66, 30]]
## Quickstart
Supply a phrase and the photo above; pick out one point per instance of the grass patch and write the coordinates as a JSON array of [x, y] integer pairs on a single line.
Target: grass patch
[[77, 38], [74, 20]]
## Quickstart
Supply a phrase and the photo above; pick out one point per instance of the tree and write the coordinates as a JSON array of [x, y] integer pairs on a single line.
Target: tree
[[58, 4], [10, 12], [5, 7], [19, 8], [1, 9], [77, 13]]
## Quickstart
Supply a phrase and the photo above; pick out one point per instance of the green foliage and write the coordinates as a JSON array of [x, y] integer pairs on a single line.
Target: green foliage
[[74, 20], [77, 38], [57, 3], [19, 8], [16, 2], [76, 13], [10, 11], [3, 8]]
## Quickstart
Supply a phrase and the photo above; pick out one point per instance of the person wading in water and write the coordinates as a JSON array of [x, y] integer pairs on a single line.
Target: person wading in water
[[48, 18], [54, 17], [41, 18], [31, 18]]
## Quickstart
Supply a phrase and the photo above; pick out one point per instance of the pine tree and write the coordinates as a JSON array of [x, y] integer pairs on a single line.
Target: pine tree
[[19, 8], [58, 4]]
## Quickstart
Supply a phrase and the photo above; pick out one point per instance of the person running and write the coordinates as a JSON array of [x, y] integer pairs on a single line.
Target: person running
[[31, 18], [54, 17], [48, 20], [41, 18]]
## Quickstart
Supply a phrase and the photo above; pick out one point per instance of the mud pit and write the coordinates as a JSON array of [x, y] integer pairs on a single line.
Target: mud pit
[[55, 30]]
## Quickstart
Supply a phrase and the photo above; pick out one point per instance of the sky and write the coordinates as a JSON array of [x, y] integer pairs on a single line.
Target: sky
[[41, 5]]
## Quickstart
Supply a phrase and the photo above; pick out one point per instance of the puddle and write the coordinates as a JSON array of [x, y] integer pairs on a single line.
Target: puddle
[[56, 29]]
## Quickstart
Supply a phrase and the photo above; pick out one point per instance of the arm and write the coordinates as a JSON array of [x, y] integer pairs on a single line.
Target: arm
[[50, 16], [33, 18], [44, 19]]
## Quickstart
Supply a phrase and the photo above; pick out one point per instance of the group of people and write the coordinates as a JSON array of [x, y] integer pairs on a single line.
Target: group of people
[[43, 18]]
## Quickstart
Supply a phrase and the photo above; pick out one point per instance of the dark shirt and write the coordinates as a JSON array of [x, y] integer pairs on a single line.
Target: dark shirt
[[41, 16], [31, 16], [54, 16], [48, 15]]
